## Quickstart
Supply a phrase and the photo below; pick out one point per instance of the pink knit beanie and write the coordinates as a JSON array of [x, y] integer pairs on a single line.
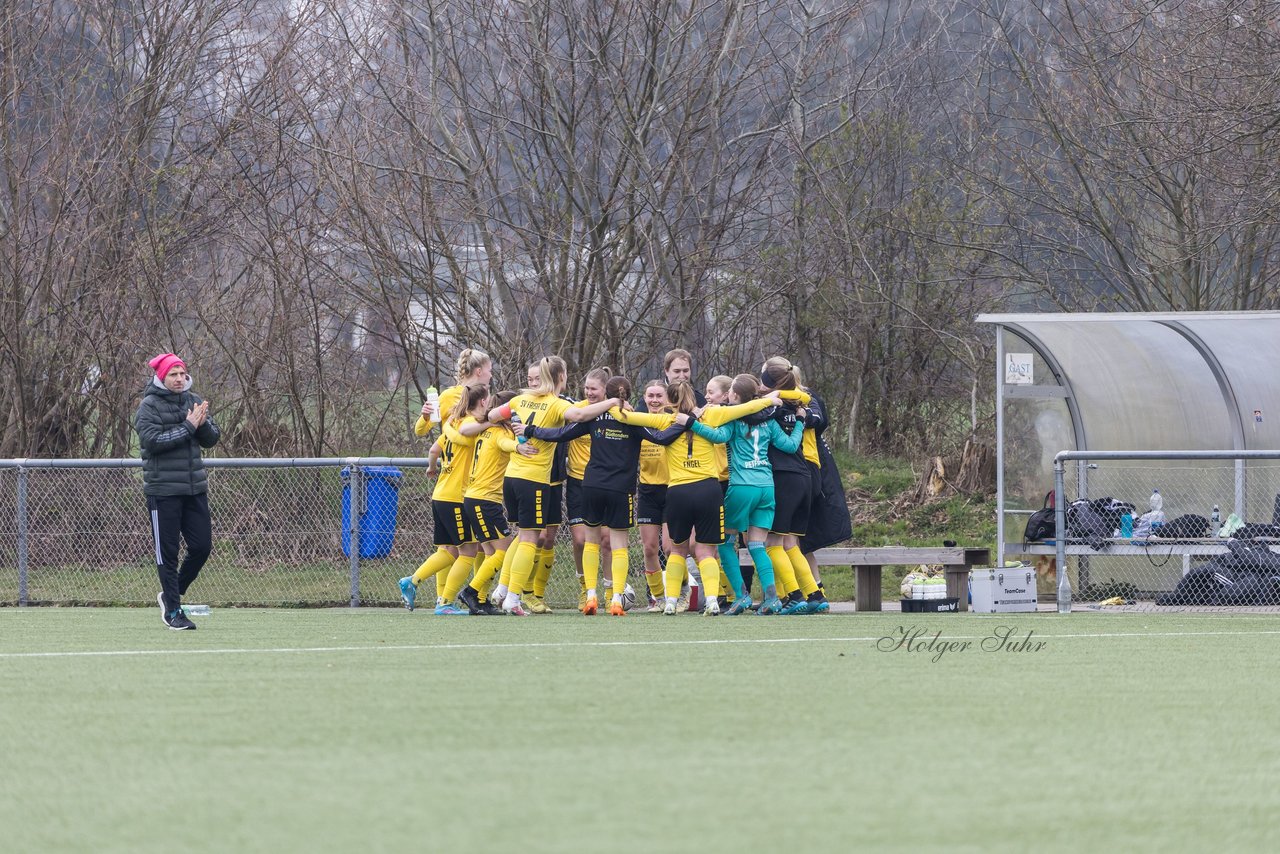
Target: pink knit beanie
[[163, 363]]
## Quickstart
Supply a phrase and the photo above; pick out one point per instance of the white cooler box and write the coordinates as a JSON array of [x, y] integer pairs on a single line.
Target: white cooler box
[[1002, 591]]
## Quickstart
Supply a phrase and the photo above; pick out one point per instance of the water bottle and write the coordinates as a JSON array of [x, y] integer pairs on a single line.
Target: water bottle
[[1157, 509], [1126, 526], [433, 400], [1215, 522], [196, 610], [515, 419]]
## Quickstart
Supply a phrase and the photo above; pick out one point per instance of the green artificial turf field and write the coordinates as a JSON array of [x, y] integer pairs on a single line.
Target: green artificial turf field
[[376, 729]]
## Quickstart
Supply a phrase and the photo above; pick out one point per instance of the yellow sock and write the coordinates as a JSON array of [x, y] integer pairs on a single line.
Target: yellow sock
[[784, 576], [606, 567], [521, 567], [804, 575], [458, 574], [620, 560], [654, 580], [492, 564], [709, 569], [591, 567], [546, 560], [432, 565], [507, 561], [725, 587], [676, 569]]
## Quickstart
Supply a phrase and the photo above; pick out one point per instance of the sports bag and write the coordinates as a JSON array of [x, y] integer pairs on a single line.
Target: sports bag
[[1041, 524]]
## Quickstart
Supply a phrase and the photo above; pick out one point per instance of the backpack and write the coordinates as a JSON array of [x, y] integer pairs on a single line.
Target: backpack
[[1085, 522], [1041, 524]]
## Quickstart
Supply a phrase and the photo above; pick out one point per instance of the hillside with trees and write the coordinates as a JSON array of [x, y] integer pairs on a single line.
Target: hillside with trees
[[319, 203]]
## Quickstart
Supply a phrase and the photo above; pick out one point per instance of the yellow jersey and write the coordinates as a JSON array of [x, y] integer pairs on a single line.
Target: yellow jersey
[[579, 453], [493, 448], [722, 452], [455, 464], [540, 410], [691, 458], [653, 462]]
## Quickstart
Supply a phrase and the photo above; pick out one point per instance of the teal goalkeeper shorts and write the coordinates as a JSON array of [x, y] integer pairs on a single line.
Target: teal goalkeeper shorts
[[748, 507]]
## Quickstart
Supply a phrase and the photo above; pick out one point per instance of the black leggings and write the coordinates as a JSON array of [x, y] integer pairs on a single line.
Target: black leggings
[[174, 516]]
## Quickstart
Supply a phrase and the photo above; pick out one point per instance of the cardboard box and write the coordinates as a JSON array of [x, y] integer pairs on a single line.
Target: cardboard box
[[1002, 591]]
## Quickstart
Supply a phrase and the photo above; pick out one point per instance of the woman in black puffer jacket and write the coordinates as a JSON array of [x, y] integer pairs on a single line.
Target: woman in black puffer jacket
[[173, 427]]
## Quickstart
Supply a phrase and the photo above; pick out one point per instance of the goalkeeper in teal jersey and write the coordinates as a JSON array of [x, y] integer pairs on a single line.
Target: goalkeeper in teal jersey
[[749, 504]]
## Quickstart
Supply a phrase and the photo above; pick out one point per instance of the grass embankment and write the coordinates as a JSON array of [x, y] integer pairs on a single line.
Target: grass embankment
[[885, 514]]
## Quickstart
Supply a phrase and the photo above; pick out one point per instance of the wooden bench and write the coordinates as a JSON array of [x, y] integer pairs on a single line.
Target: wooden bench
[[868, 564]]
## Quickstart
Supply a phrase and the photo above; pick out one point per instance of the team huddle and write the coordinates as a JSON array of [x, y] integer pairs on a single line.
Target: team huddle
[[694, 472]]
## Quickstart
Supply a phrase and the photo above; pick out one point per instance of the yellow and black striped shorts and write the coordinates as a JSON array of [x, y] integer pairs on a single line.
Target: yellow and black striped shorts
[[488, 519], [451, 525]]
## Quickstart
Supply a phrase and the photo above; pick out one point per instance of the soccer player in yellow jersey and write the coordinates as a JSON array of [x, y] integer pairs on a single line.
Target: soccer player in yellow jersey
[[527, 489], [474, 367], [695, 507], [578, 457], [717, 394], [651, 498], [451, 528], [677, 365], [491, 447]]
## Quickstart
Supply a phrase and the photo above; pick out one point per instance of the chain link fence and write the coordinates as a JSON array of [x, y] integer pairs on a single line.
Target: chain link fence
[[1160, 531], [77, 532]]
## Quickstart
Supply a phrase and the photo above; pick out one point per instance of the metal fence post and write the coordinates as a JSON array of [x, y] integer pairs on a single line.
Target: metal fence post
[[22, 534], [1060, 536], [358, 508]]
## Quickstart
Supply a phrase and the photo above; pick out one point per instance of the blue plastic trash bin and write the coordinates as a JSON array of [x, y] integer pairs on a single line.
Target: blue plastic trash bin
[[378, 515]]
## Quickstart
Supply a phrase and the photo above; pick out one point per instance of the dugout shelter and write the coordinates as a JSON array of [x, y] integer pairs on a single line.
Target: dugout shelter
[[1167, 381]]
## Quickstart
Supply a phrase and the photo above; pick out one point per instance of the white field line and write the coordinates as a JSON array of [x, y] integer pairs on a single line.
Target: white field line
[[924, 638]]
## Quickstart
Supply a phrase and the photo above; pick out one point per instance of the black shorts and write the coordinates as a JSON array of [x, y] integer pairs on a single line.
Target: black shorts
[[651, 502], [695, 509], [793, 494], [555, 504], [724, 489], [573, 501], [609, 508], [488, 520], [528, 503], [451, 526]]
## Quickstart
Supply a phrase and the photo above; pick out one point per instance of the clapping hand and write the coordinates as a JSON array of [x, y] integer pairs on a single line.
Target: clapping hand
[[198, 414]]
